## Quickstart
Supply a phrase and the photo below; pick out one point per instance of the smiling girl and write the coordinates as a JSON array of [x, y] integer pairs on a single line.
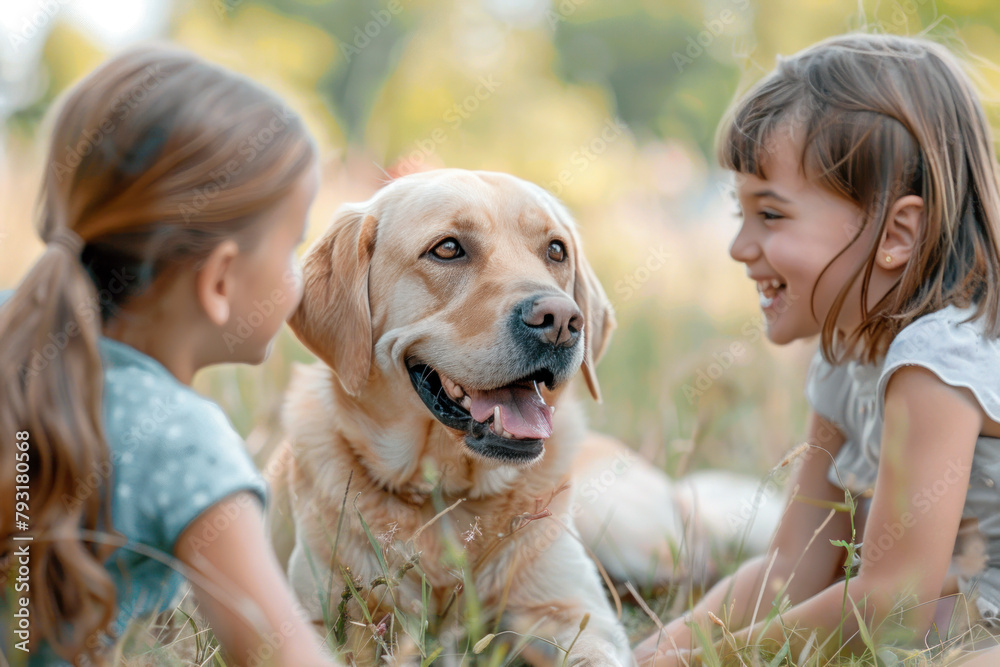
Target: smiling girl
[[867, 185]]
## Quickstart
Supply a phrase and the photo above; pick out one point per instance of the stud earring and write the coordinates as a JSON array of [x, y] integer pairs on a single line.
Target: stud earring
[[888, 259]]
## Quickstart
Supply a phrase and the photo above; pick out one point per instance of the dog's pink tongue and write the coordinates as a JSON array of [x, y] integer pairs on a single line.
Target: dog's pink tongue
[[523, 412]]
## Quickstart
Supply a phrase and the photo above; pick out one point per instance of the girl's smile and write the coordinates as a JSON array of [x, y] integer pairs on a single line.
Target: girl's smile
[[798, 243]]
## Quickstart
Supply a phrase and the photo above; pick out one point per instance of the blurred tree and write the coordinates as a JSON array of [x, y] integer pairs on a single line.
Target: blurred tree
[[670, 74], [371, 35]]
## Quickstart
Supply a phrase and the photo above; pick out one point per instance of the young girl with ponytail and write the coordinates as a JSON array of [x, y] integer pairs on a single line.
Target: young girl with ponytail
[[174, 196]]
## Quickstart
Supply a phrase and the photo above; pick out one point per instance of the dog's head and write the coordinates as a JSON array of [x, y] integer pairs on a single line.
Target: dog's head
[[472, 284]]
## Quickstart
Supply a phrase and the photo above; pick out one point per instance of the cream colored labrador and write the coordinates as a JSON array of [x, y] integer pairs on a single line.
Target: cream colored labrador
[[429, 455]]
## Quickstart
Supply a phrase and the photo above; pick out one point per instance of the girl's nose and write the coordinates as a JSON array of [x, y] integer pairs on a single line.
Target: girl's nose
[[744, 247]]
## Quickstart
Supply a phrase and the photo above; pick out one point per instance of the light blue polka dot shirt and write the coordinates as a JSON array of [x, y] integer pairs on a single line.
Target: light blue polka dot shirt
[[174, 454]]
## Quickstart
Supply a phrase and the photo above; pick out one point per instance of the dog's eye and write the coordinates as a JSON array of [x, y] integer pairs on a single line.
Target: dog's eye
[[448, 249], [557, 251]]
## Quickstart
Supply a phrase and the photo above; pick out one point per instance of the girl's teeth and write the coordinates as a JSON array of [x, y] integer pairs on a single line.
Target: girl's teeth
[[764, 285], [768, 291], [769, 287]]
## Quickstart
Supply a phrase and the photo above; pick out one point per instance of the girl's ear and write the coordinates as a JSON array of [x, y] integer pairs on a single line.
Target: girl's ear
[[902, 229], [214, 282]]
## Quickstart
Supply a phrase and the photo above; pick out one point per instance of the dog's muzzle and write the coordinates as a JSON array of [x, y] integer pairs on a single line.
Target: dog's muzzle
[[511, 422]]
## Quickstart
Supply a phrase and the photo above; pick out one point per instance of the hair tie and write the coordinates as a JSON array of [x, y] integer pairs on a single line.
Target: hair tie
[[64, 237]]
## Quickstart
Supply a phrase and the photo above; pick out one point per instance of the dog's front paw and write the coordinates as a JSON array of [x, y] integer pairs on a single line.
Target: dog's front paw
[[594, 659], [593, 652]]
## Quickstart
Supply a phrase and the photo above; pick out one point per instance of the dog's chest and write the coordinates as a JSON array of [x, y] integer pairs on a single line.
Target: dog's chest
[[483, 541]]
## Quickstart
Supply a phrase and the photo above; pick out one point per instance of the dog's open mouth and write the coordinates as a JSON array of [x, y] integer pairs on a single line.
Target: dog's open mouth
[[509, 423]]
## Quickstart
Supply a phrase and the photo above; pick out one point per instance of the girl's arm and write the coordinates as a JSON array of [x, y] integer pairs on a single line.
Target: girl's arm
[[249, 603], [802, 561], [928, 440]]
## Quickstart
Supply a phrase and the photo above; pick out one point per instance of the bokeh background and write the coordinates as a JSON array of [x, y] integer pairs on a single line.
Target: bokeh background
[[611, 104]]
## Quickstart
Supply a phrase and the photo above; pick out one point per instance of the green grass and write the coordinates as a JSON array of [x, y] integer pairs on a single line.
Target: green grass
[[466, 634], [745, 420]]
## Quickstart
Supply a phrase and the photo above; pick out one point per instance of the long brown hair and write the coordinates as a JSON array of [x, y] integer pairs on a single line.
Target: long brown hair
[[155, 158], [883, 117]]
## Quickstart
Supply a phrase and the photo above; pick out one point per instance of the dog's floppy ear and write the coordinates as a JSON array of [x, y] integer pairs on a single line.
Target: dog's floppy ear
[[333, 319], [598, 317]]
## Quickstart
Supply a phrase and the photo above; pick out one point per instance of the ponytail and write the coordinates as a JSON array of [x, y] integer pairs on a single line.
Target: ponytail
[[50, 418], [150, 190]]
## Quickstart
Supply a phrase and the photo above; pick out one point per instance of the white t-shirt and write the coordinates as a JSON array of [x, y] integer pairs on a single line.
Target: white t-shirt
[[852, 396]]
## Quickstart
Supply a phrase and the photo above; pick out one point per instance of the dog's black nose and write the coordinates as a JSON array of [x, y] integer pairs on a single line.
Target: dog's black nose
[[553, 318]]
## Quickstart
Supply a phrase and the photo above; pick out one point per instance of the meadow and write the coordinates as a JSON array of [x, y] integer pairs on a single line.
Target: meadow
[[611, 106]]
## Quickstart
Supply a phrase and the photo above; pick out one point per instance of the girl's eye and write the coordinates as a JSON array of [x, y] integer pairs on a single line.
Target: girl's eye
[[448, 249], [557, 251], [771, 215]]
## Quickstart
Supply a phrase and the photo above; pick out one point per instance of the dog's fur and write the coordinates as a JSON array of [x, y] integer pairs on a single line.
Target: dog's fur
[[362, 444]]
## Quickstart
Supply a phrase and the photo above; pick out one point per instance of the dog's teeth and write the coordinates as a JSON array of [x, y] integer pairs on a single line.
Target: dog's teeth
[[498, 424], [538, 390], [467, 403], [453, 390]]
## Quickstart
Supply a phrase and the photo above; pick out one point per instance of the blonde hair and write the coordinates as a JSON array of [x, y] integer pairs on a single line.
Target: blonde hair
[[155, 158], [884, 117]]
